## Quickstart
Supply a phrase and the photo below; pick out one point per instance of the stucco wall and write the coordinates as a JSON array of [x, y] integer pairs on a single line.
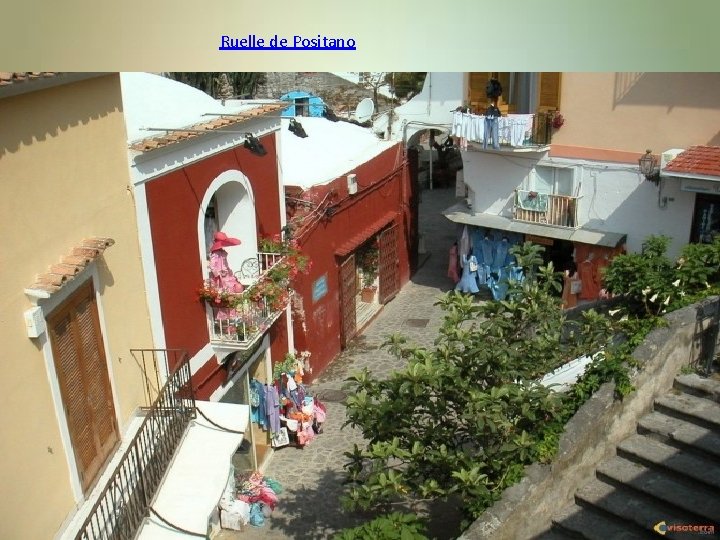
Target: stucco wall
[[318, 324], [64, 177], [635, 111], [526, 508], [612, 195], [173, 203]]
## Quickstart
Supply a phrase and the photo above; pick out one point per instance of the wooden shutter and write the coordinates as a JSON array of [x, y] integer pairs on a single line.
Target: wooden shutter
[[549, 91], [388, 264], [348, 291], [81, 369], [476, 91]]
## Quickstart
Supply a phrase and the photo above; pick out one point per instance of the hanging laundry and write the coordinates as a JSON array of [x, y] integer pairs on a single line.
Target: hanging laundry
[[468, 281]]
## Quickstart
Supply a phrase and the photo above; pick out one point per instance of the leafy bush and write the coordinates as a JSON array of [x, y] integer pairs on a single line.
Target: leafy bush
[[467, 415], [393, 526]]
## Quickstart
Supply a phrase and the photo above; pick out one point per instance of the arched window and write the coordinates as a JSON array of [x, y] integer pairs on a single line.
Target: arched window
[[229, 206]]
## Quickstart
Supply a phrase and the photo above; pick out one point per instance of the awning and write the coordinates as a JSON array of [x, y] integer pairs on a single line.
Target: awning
[[358, 239], [198, 474], [459, 213]]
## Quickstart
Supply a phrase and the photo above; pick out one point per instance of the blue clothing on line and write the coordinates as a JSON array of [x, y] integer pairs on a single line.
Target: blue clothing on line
[[468, 280]]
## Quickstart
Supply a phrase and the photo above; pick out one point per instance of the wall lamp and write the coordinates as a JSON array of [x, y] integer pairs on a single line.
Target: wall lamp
[[648, 167], [254, 145], [296, 128]]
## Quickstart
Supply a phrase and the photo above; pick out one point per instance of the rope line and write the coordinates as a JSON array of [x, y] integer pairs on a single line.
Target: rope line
[[176, 527]]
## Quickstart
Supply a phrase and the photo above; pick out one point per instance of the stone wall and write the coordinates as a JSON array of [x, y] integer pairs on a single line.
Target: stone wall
[[339, 94], [526, 509]]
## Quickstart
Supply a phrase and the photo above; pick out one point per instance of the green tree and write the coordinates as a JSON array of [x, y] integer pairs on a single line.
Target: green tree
[[468, 414], [215, 84], [405, 85]]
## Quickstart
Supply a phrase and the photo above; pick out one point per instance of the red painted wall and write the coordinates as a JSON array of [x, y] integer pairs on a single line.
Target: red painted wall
[[383, 186], [173, 202]]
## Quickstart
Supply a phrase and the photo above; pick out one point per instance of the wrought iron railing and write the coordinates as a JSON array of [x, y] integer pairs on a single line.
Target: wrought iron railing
[[125, 500], [546, 209], [249, 319]]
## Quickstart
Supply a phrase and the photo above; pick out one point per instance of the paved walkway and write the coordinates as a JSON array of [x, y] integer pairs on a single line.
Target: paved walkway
[[309, 506]]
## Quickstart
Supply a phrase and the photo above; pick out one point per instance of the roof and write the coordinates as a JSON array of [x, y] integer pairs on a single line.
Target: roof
[[154, 101], [696, 161], [360, 237], [69, 266], [330, 150], [17, 77], [459, 213]]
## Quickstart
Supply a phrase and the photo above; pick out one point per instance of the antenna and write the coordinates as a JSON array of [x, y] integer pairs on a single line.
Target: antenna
[[364, 110]]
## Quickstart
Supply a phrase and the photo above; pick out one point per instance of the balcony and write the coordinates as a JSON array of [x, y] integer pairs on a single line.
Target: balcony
[[126, 497], [245, 318], [546, 209], [516, 132]]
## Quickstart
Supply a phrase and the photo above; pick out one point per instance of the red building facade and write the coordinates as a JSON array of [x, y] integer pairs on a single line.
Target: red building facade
[[328, 298]]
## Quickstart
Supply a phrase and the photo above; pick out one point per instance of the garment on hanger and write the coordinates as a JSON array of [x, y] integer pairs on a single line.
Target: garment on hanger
[[468, 281], [272, 408], [590, 289], [453, 263]]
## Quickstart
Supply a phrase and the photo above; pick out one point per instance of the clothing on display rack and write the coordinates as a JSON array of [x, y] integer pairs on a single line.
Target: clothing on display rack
[[468, 281]]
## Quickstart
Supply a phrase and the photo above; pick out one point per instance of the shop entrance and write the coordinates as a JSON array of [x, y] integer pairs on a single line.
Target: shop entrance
[[706, 218], [249, 372]]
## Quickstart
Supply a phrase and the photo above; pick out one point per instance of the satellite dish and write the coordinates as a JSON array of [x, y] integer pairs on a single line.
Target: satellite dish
[[364, 110]]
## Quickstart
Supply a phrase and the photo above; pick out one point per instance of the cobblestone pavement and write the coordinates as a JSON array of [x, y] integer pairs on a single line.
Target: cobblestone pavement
[[309, 506]]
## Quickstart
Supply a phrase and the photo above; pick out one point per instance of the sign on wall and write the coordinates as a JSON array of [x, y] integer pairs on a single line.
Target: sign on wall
[[319, 288]]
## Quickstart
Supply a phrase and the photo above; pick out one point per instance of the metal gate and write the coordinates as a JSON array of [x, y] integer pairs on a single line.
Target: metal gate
[[388, 269], [348, 290]]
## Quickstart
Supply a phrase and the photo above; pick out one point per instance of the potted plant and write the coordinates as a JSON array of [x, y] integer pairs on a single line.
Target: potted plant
[[369, 258]]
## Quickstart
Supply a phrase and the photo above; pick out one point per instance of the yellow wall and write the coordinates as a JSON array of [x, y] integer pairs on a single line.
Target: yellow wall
[[635, 111], [64, 177]]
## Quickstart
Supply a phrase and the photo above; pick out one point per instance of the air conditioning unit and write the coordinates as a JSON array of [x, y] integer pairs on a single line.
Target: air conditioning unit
[[667, 156], [352, 184]]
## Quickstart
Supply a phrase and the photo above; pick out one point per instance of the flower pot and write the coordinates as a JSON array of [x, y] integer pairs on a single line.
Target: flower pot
[[367, 294]]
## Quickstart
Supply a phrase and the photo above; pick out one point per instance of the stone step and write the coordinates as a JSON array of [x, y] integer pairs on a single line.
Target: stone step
[[696, 385], [691, 498], [586, 523], [702, 412], [624, 505], [553, 534], [680, 433], [685, 466]]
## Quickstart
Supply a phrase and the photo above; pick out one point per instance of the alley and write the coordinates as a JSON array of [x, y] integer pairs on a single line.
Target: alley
[[309, 506]]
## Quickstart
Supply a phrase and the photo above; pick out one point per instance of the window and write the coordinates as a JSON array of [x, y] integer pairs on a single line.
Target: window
[[79, 356], [553, 180]]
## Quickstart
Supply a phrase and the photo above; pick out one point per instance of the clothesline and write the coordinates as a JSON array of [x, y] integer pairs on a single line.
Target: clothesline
[[513, 130]]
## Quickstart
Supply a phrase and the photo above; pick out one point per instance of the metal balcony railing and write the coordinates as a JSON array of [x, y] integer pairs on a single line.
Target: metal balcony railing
[[244, 324], [546, 209], [125, 501]]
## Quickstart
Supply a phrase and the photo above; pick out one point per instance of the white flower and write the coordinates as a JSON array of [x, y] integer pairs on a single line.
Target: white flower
[[676, 283], [707, 285], [624, 318], [613, 312], [654, 297], [667, 301], [646, 291]]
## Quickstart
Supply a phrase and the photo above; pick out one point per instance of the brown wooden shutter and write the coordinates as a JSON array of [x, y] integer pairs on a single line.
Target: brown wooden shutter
[[348, 292], [549, 91], [81, 369], [388, 264], [476, 92]]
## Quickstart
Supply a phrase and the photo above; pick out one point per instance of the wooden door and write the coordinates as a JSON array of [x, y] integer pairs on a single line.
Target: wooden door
[[81, 368], [348, 292], [388, 264]]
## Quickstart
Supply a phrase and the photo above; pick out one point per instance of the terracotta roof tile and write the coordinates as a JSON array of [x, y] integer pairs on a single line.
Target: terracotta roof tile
[[700, 160], [70, 265], [158, 141], [9, 77]]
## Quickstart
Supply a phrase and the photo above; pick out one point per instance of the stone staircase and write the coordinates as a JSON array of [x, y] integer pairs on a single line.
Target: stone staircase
[[668, 471]]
